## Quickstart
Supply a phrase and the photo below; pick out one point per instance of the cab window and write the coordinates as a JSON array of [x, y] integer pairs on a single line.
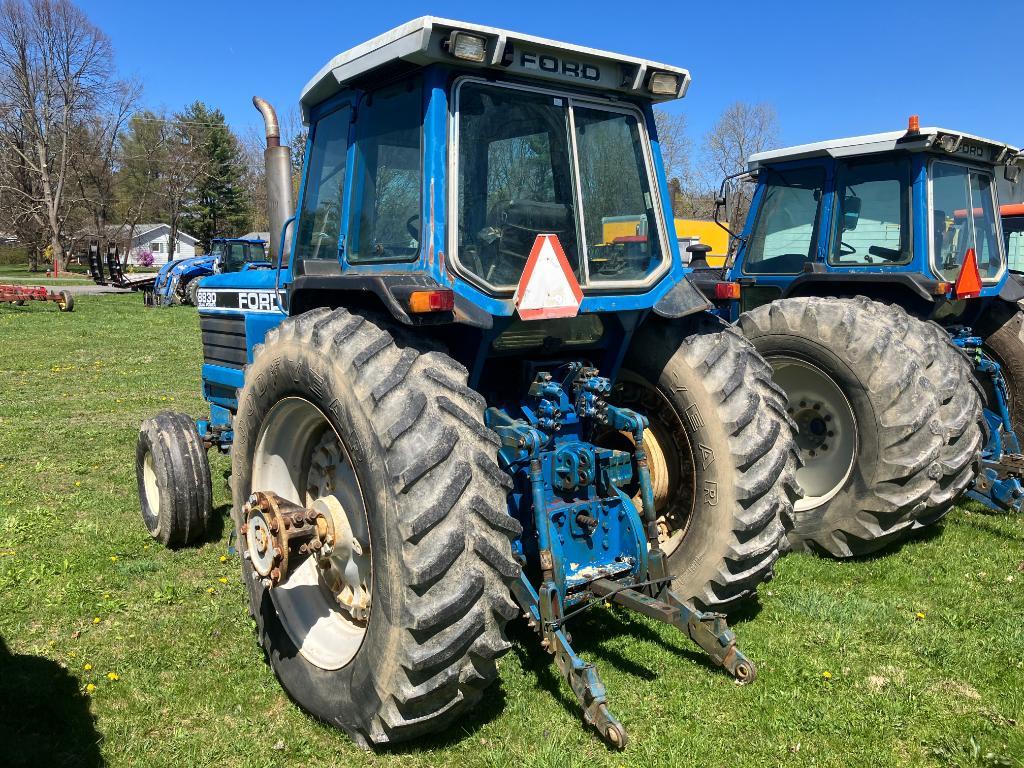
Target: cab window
[[873, 214], [785, 233], [963, 217], [387, 178], [319, 227], [1013, 236]]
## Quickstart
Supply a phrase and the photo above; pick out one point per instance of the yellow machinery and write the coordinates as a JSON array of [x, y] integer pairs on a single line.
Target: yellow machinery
[[688, 232]]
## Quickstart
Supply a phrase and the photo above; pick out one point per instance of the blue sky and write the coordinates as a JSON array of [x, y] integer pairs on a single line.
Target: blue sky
[[830, 68]]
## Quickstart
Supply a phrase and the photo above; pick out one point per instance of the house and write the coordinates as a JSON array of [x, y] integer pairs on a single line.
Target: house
[[154, 238]]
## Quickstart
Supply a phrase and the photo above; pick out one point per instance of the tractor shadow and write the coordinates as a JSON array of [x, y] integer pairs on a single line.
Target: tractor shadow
[[219, 522], [44, 717]]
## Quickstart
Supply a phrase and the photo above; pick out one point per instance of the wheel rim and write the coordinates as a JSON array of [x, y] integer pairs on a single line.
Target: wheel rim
[[324, 603], [152, 506], [827, 435]]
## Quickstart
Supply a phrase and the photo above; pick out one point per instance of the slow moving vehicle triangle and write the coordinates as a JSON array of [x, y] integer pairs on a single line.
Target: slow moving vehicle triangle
[[548, 288]]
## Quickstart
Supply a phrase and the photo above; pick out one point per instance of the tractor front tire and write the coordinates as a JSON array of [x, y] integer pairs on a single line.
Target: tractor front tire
[[402, 444], [867, 421], [191, 293], [721, 452], [173, 474]]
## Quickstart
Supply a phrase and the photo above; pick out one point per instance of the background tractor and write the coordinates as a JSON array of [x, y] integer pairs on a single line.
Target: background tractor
[[178, 281], [871, 273], [453, 400]]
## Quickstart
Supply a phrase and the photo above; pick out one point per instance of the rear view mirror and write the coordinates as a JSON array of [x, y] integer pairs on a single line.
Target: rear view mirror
[[851, 212], [1011, 172]]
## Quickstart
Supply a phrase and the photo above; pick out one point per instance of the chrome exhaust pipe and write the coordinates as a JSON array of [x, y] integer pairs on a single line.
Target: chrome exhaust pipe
[[278, 162]]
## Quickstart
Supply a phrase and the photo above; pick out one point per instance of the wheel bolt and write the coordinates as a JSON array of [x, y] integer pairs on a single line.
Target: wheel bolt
[[275, 574]]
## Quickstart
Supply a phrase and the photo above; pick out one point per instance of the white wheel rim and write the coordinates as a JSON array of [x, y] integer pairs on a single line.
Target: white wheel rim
[[151, 490], [827, 434], [289, 461]]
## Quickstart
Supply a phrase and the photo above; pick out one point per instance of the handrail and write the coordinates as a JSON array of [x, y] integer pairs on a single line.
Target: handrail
[[280, 261]]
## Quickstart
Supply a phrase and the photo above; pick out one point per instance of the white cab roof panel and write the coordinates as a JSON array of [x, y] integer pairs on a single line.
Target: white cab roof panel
[[422, 42]]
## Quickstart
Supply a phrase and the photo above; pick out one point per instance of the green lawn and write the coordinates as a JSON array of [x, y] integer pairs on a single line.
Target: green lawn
[[912, 658], [19, 273]]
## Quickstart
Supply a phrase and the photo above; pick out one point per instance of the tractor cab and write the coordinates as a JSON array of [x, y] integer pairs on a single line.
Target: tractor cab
[[437, 155], [235, 254], [910, 212]]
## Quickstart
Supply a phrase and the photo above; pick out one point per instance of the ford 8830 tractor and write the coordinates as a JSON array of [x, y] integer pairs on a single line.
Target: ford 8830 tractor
[[871, 273], [452, 402]]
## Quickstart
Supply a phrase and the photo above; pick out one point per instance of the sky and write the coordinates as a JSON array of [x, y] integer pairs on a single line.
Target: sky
[[829, 68]]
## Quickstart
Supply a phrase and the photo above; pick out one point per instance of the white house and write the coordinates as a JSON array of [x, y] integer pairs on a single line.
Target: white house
[[154, 239]]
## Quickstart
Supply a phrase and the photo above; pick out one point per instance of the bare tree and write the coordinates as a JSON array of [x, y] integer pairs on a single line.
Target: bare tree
[[55, 68], [742, 130]]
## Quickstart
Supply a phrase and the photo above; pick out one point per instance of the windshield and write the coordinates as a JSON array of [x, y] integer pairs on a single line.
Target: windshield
[[963, 216], [873, 221], [785, 233], [517, 180]]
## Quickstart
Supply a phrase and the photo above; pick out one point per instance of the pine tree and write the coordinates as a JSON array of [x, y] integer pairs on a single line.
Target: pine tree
[[219, 206]]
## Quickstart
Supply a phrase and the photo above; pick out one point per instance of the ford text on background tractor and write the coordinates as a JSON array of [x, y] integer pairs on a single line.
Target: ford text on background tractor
[[178, 280], [871, 273], [454, 401]]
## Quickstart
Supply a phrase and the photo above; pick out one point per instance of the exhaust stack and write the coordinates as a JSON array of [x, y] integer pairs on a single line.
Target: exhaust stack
[[278, 161]]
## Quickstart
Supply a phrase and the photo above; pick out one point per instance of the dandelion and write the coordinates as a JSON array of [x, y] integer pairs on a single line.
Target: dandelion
[[97, 620], [113, 558], [827, 675], [90, 688], [145, 546], [106, 597], [919, 616], [222, 580], [87, 667], [113, 677], [211, 590], [78, 483], [223, 558]]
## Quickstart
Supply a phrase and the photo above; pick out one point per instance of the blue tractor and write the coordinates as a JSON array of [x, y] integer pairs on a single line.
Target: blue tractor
[[453, 401], [178, 281], [871, 273]]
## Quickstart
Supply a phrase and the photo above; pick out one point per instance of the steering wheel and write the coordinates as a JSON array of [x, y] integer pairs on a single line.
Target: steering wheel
[[414, 232], [849, 250]]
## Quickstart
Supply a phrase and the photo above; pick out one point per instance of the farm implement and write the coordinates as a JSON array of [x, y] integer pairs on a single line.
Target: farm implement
[[872, 274], [18, 296], [112, 273], [458, 396]]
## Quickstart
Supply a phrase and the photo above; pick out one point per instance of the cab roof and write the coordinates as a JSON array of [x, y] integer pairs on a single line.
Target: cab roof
[[423, 41], [955, 143]]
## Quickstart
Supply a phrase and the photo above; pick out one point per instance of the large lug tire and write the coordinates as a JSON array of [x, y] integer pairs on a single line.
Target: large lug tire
[[192, 292], [173, 474], [722, 458], [1002, 330], [420, 466], [867, 423], [960, 397]]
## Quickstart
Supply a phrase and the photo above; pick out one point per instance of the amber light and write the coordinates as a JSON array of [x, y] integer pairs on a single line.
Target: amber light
[[431, 301], [942, 288], [727, 291], [914, 124]]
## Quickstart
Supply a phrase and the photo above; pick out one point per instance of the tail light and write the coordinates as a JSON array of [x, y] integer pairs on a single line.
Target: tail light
[[442, 300], [725, 291]]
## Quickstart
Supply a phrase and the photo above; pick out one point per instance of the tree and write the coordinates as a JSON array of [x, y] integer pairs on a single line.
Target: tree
[[742, 130], [55, 70], [219, 205]]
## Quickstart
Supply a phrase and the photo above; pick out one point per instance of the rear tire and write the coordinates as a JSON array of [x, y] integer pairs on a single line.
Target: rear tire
[[192, 292], [1003, 332], [724, 440], [173, 475], [960, 396], [422, 467], [855, 390]]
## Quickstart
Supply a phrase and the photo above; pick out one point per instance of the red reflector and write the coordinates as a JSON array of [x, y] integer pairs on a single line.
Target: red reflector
[[942, 288], [431, 301], [727, 291], [968, 282]]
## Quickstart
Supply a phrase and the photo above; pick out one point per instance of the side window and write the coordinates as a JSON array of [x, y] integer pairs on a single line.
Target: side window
[[785, 234], [320, 218], [387, 179], [1015, 248], [873, 214], [963, 217]]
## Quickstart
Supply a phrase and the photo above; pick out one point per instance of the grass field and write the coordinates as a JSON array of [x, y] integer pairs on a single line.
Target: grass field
[[123, 653], [19, 273]]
